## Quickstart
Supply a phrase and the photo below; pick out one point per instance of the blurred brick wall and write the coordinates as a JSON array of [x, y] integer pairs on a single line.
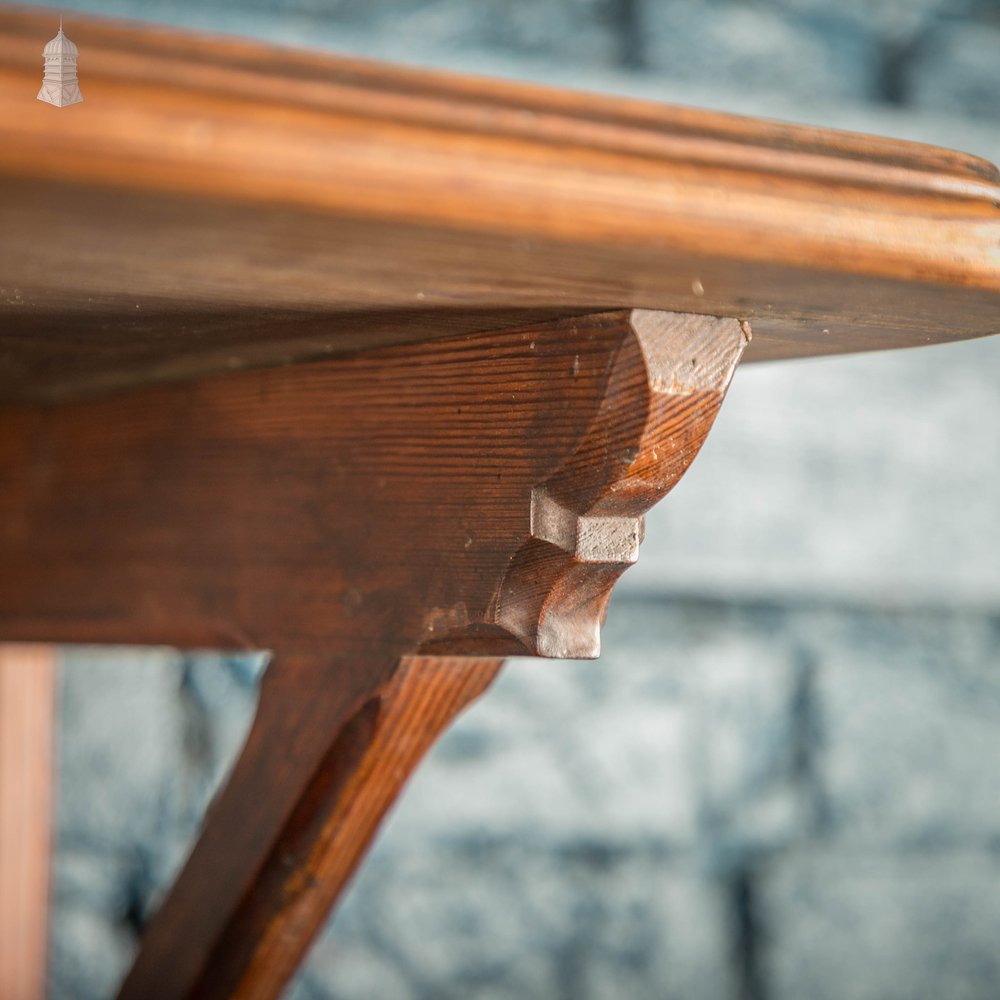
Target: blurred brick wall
[[782, 779]]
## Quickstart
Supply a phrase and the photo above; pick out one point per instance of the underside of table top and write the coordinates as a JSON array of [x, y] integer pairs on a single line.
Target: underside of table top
[[215, 204]]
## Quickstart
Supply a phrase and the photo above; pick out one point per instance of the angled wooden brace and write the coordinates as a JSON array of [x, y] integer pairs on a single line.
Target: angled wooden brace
[[390, 524]]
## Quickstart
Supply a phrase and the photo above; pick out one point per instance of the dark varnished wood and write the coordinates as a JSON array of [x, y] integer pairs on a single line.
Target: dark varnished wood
[[218, 204], [465, 497]]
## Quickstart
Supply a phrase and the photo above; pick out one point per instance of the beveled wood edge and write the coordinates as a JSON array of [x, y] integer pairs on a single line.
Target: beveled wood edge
[[544, 149], [249, 68], [253, 125]]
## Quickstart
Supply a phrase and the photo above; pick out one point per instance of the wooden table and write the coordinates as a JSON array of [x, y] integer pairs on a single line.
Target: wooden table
[[378, 370]]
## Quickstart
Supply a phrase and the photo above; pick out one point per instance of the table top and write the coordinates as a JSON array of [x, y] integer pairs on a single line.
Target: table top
[[215, 204]]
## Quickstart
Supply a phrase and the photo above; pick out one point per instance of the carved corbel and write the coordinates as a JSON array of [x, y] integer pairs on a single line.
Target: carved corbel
[[669, 376]]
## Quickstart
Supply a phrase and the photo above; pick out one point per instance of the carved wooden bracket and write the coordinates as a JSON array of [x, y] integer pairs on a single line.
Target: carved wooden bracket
[[381, 522], [668, 379]]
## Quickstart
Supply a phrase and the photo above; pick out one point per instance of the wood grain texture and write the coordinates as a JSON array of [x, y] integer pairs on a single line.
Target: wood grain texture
[[465, 497], [27, 733], [378, 496], [664, 392], [311, 864], [467, 478], [249, 946], [220, 204]]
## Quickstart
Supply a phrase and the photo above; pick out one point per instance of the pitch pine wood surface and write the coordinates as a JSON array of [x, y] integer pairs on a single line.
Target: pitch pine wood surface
[[465, 497], [379, 369], [217, 204]]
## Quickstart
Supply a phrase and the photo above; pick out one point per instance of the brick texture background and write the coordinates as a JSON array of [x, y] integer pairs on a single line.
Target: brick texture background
[[782, 779]]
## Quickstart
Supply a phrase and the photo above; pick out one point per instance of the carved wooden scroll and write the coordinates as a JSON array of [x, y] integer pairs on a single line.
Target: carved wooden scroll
[[389, 524]]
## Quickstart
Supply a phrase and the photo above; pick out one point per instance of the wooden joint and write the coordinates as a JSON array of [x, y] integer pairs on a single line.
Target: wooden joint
[[380, 521]]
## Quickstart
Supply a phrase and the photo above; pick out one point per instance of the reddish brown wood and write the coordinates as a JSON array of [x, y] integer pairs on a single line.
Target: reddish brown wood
[[340, 808], [216, 207], [27, 696], [379, 498], [666, 386], [321, 767], [471, 496], [218, 204]]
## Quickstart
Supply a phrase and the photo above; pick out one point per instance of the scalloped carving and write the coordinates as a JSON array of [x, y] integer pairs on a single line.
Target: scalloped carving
[[666, 384]]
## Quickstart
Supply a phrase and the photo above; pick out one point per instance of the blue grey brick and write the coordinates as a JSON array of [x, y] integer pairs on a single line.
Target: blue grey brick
[[756, 47], [843, 926], [957, 71]]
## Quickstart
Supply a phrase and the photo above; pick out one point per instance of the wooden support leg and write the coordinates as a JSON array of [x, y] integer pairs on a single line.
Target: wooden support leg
[[318, 854], [475, 496], [298, 813], [27, 688]]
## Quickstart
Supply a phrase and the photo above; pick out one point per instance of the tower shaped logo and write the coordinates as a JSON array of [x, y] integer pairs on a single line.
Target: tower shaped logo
[[60, 86]]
